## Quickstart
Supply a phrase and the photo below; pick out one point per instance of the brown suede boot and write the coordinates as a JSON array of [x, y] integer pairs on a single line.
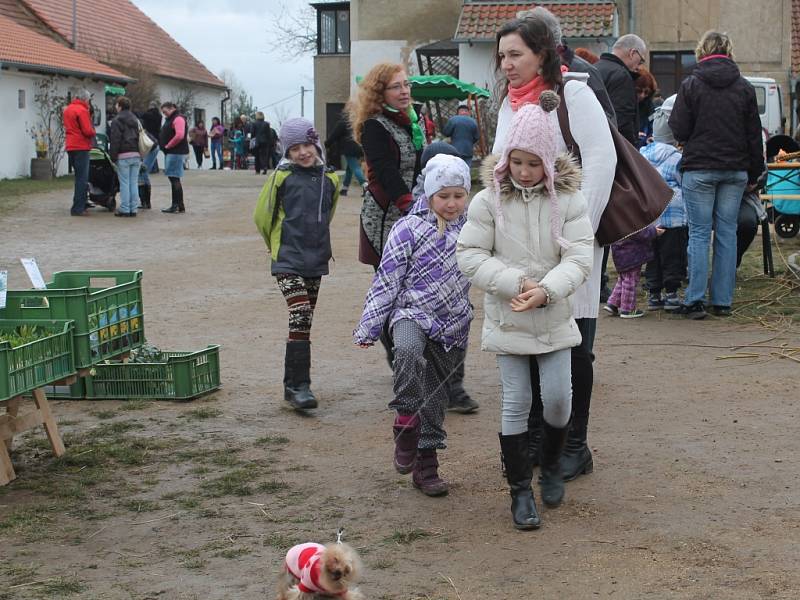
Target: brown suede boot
[[426, 474]]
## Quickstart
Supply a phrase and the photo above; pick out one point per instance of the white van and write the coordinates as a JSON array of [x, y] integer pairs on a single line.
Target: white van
[[770, 104]]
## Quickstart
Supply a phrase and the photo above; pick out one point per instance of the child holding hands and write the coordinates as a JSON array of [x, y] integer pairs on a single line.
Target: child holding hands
[[422, 295], [293, 214], [529, 244]]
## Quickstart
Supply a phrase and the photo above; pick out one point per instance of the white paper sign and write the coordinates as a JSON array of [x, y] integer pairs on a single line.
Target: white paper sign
[[3, 288], [34, 274]]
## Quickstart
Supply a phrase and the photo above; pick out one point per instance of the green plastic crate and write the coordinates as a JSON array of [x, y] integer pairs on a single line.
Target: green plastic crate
[[105, 305], [185, 376], [38, 363]]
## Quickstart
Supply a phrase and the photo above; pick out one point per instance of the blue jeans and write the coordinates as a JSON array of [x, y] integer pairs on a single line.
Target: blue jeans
[[353, 168], [216, 153], [148, 162], [80, 164], [128, 174], [712, 202]]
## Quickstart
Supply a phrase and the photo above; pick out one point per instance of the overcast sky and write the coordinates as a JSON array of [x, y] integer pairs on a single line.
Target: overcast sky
[[234, 34]]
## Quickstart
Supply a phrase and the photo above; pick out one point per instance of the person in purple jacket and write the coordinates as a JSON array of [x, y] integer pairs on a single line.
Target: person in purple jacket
[[423, 296], [629, 255]]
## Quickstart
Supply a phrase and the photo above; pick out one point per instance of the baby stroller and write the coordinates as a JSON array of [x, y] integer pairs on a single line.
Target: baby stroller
[[103, 182]]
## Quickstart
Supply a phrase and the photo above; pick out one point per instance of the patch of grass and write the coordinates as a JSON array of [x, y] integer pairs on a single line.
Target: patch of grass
[[116, 428], [280, 541], [135, 405], [272, 440], [231, 553], [188, 503], [409, 536], [202, 413], [382, 563], [196, 562], [29, 523], [23, 186], [63, 586], [201, 470], [233, 483], [18, 574], [141, 505], [103, 414], [272, 487]]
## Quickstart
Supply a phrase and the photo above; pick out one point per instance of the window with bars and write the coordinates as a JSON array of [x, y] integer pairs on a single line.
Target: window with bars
[[333, 31], [670, 69]]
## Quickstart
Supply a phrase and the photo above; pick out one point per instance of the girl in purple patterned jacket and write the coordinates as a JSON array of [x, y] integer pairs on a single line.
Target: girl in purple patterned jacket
[[420, 291]]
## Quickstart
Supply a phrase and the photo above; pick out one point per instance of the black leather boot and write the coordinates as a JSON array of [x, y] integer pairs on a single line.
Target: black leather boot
[[458, 399], [535, 422], [297, 375], [576, 459], [519, 472], [552, 479], [144, 196]]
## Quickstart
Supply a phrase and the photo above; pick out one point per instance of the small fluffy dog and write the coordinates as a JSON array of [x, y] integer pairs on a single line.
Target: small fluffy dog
[[313, 571]]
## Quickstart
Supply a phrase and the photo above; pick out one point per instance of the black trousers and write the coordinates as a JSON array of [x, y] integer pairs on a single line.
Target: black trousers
[[582, 379], [261, 154], [198, 155], [746, 229], [668, 268]]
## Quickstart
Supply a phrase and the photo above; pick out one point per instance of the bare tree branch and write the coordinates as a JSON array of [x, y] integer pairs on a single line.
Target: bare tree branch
[[293, 31]]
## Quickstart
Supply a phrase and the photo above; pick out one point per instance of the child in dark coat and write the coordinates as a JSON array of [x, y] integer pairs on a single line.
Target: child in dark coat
[[629, 255]]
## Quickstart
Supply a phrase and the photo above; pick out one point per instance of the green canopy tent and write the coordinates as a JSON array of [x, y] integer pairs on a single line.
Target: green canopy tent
[[443, 87]]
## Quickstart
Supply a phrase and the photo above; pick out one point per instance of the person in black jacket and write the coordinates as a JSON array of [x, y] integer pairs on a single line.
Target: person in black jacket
[[618, 69], [573, 62], [716, 117], [341, 138], [123, 137], [262, 134]]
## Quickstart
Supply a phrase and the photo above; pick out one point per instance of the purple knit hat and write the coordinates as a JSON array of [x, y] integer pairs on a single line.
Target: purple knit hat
[[300, 131], [534, 129]]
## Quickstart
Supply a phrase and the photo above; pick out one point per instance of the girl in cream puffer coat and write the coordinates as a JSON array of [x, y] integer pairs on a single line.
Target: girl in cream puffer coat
[[528, 243]]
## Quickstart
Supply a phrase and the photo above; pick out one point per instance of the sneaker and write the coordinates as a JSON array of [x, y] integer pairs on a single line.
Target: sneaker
[[631, 314], [671, 301], [343, 191], [694, 311], [613, 310], [721, 311], [654, 302]]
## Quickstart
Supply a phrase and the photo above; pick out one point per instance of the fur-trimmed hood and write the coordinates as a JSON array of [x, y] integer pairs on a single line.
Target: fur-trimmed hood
[[567, 181]]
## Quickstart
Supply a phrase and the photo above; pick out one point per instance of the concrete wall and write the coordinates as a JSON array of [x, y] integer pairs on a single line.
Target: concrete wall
[[419, 21], [475, 64], [332, 83], [761, 31], [206, 98], [19, 148]]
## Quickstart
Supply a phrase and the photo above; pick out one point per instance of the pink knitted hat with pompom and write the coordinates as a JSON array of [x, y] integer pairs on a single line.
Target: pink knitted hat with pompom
[[534, 129]]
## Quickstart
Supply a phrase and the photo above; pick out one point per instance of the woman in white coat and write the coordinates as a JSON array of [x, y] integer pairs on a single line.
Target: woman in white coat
[[526, 64]]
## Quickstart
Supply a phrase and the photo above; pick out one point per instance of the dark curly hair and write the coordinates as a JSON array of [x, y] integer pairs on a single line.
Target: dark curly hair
[[538, 37]]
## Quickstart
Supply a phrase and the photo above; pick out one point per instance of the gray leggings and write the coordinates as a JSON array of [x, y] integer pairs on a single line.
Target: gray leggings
[[555, 380]]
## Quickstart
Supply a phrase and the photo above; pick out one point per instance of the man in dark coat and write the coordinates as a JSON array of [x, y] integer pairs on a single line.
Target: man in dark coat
[[618, 69]]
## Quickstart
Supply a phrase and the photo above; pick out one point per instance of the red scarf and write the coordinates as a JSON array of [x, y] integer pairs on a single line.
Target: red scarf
[[530, 92]]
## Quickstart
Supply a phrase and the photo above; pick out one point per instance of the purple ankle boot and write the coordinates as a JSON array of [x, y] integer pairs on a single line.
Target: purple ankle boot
[[426, 474], [406, 438]]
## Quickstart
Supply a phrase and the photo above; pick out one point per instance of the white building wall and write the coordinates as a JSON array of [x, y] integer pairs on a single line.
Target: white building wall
[[19, 147], [475, 64], [206, 98]]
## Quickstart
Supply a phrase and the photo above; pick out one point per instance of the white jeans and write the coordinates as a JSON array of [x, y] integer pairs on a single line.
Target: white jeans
[[555, 382]]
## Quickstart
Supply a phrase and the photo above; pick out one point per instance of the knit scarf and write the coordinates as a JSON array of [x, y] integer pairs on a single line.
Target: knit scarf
[[409, 118], [530, 92]]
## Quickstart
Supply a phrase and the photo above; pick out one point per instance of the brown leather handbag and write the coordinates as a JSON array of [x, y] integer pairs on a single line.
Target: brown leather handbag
[[638, 195]]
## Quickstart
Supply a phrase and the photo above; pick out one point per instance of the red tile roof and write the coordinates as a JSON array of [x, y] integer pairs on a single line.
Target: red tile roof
[[16, 12], [24, 48], [117, 32], [795, 37], [481, 20]]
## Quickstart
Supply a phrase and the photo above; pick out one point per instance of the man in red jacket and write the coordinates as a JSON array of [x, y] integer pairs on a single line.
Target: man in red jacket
[[80, 133]]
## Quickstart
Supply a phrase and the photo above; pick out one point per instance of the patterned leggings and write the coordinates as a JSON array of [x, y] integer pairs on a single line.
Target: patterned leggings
[[624, 294], [301, 295], [421, 368]]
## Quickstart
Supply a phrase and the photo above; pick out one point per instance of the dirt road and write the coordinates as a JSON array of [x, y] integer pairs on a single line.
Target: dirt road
[[694, 493]]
